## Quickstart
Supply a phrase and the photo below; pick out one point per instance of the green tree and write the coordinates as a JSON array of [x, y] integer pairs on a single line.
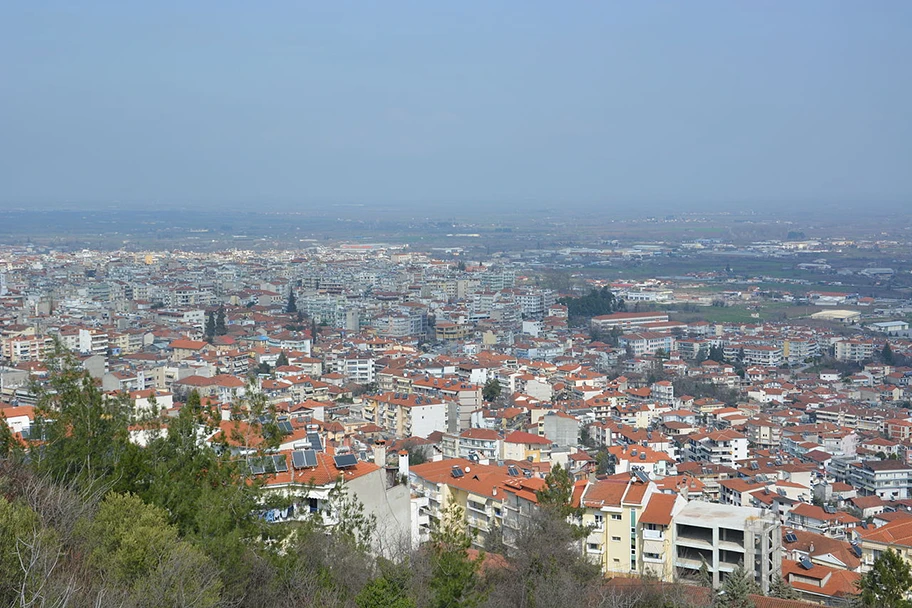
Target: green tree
[[491, 390], [132, 543], [382, 592], [291, 306], [737, 589], [886, 355], [782, 590], [209, 332], [18, 525], [455, 582], [282, 359], [8, 443], [704, 576], [220, 329], [604, 462], [887, 583], [716, 354], [556, 497], [85, 432]]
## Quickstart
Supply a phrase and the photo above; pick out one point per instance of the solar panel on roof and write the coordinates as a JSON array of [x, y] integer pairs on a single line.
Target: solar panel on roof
[[856, 550], [279, 463], [806, 563], [297, 459], [257, 468], [285, 427], [315, 441], [345, 460], [642, 475], [310, 458], [512, 472], [791, 538], [457, 472], [830, 509]]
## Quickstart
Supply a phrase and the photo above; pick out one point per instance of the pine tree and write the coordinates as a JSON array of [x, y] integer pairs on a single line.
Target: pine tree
[[209, 332], [281, 359], [454, 577], [704, 576], [887, 583], [292, 305], [220, 329], [782, 590], [717, 354], [737, 589], [886, 355], [491, 390]]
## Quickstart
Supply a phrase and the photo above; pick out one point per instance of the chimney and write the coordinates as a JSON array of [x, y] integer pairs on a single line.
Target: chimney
[[403, 462], [811, 549], [380, 453]]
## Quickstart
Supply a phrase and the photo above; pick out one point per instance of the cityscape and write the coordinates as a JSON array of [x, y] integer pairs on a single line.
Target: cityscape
[[455, 305]]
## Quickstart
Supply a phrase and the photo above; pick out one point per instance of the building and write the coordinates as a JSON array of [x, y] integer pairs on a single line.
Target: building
[[647, 343], [725, 537], [611, 510], [888, 479], [626, 320], [405, 415], [856, 349]]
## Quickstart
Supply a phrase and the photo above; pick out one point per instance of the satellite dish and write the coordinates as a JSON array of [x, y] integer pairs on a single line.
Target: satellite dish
[[467, 469]]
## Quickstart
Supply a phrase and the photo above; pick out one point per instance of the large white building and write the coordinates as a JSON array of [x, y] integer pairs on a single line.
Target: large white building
[[725, 537]]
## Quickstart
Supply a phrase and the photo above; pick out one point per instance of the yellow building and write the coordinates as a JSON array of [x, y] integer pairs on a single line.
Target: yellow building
[[612, 509]]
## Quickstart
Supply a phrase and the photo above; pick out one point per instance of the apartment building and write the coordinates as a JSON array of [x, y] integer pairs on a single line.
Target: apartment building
[[406, 415], [611, 510], [856, 349], [888, 479], [724, 537], [718, 447], [647, 343]]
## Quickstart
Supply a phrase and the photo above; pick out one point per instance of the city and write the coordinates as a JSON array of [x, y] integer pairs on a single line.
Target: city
[[708, 421]]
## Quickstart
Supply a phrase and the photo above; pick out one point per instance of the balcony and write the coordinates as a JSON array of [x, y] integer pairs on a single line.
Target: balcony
[[653, 535]]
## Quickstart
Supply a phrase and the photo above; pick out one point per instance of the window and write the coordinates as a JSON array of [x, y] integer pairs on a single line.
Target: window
[[594, 547], [599, 521], [616, 539], [616, 516], [651, 555]]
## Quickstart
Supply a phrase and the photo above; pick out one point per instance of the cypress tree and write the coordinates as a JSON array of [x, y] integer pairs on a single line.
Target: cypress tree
[[220, 329], [292, 305], [209, 332]]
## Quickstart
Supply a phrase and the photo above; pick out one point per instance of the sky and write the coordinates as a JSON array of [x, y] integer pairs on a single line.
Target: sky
[[613, 104]]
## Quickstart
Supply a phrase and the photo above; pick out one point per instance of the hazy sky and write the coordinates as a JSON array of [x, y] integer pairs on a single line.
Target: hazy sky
[[517, 102]]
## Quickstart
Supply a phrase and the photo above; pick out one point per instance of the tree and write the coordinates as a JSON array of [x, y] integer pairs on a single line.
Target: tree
[[291, 306], [887, 583], [454, 582], [381, 592], [604, 462], [220, 329], [717, 354], [782, 590], [132, 543], [737, 589], [886, 355], [85, 432], [281, 360], [704, 576], [209, 332], [491, 390]]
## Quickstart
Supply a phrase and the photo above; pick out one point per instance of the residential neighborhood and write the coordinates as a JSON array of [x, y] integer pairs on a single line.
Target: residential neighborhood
[[782, 447]]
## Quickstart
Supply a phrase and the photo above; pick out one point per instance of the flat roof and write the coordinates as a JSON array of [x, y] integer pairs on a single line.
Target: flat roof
[[714, 515]]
